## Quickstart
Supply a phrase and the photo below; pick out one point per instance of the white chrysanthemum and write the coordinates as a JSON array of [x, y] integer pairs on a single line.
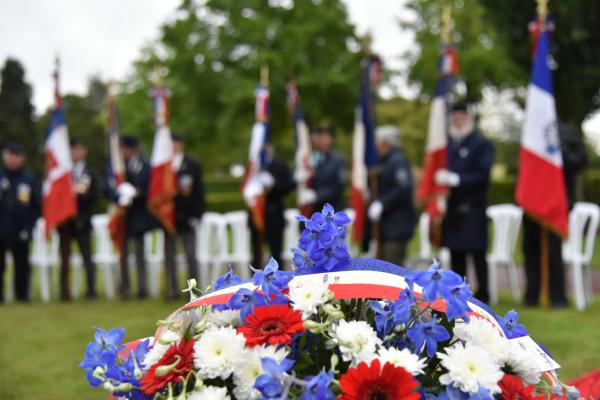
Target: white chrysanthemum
[[218, 351], [225, 318], [357, 341], [307, 296], [470, 366], [403, 358], [209, 393], [160, 347], [249, 368], [522, 365], [483, 334]]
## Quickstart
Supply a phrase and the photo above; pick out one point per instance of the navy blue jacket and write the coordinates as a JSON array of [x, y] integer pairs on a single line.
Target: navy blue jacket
[[274, 205], [465, 226], [189, 201], [329, 181], [139, 220], [20, 204], [87, 195], [395, 192]]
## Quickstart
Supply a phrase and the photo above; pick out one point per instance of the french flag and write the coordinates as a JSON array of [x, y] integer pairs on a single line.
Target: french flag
[[252, 188], [430, 194], [303, 166], [540, 184], [59, 199], [162, 187], [364, 155]]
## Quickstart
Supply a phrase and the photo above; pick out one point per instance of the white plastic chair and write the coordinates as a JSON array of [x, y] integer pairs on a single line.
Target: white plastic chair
[[44, 255], [352, 215], [154, 249], [211, 241], [506, 223], [425, 248], [579, 248], [235, 227], [291, 233], [104, 256]]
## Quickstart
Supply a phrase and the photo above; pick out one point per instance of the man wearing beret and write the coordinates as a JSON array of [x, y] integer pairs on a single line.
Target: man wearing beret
[[20, 206]]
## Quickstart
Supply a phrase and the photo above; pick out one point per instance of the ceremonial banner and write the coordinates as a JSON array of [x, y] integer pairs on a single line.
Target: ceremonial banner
[[163, 183], [252, 187], [430, 194], [59, 199], [540, 183], [116, 175], [303, 168], [364, 155]]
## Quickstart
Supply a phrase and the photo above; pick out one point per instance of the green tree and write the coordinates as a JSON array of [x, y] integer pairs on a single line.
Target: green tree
[[16, 112], [212, 53]]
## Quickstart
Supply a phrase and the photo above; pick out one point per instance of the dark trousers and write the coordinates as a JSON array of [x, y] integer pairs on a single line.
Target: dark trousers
[[393, 251], [532, 253], [188, 239], [458, 260], [22, 278], [84, 241], [140, 262], [274, 238]]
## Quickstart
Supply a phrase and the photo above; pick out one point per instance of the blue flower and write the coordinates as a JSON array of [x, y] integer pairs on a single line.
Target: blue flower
[[110, 340], [227, 280], [269, 383], [572, 393], [330, 256], [271, 280], [339, 218], [402, 308], [301, 258], [317, 387], [453, 393], [456, 301], [428, 334], [436, 281], [244, 300], [316, 233], [383, 317], [510, 325]]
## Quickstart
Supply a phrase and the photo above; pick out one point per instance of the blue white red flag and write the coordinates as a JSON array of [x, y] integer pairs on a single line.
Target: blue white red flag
[[430, 194], [303, 169], [59, 198], [540, 184], [364, 155], [163, 183], [253, 189]]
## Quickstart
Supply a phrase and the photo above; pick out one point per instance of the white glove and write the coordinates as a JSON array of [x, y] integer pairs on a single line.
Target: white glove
[[375, 211], [266, 179], [126, 192], [447, 178], [306, 196], [300, 175]]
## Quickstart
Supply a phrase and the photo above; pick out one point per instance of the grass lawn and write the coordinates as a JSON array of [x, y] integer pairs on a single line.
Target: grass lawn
[[41, 345]]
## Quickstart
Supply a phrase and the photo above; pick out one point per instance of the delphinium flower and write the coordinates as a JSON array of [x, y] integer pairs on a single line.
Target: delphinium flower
[[384, 321], [356, 340], [456, 301], [436, 281], [331, 255], [427, 334], [101, 352], [301, 258], [274, 324], [453, 393], [269, 384], [227, 280], [218, 351], [271, 280], [245, 300], [402, 308], [511, 326], [309, 295], [250, 367], [317, 387], [316, 233], [374, 381], [126, 375]]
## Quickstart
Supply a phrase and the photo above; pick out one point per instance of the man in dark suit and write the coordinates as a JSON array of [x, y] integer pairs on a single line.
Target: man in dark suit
[[331, 174], [277, 180], [393, 208], [189, 206], [20, 206], [79, 227], [132, 194], [465, 225]]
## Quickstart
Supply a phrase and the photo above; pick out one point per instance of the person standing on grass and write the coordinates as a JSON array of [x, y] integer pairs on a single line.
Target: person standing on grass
[[189, 207], [20, 207]]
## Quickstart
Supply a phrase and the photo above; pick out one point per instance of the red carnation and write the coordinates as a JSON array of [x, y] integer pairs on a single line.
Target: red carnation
[[513, 389], [274, 324], [369, 382], [179, 357]]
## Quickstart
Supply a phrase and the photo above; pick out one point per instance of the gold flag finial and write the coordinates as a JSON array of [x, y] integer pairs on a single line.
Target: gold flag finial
[[264, 75], [158, 80], [542, 9], [368, 43], [446, 22]]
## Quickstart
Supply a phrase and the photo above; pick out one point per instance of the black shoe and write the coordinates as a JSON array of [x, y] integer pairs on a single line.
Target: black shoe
[[559, 304], [90, 296], [125, 294], [142, 295]]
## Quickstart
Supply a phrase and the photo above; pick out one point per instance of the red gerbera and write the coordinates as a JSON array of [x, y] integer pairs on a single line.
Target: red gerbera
[[179, 357], [371, 382], [274, 324], [513, 389]]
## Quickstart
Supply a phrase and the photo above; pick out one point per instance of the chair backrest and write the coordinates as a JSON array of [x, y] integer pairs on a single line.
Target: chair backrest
[[352, 214], [103, 249], [424, 242], [154, 246], [236, 223], [291, 233], [506, 223], [211, 238], [44, 252], [583, 227]]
